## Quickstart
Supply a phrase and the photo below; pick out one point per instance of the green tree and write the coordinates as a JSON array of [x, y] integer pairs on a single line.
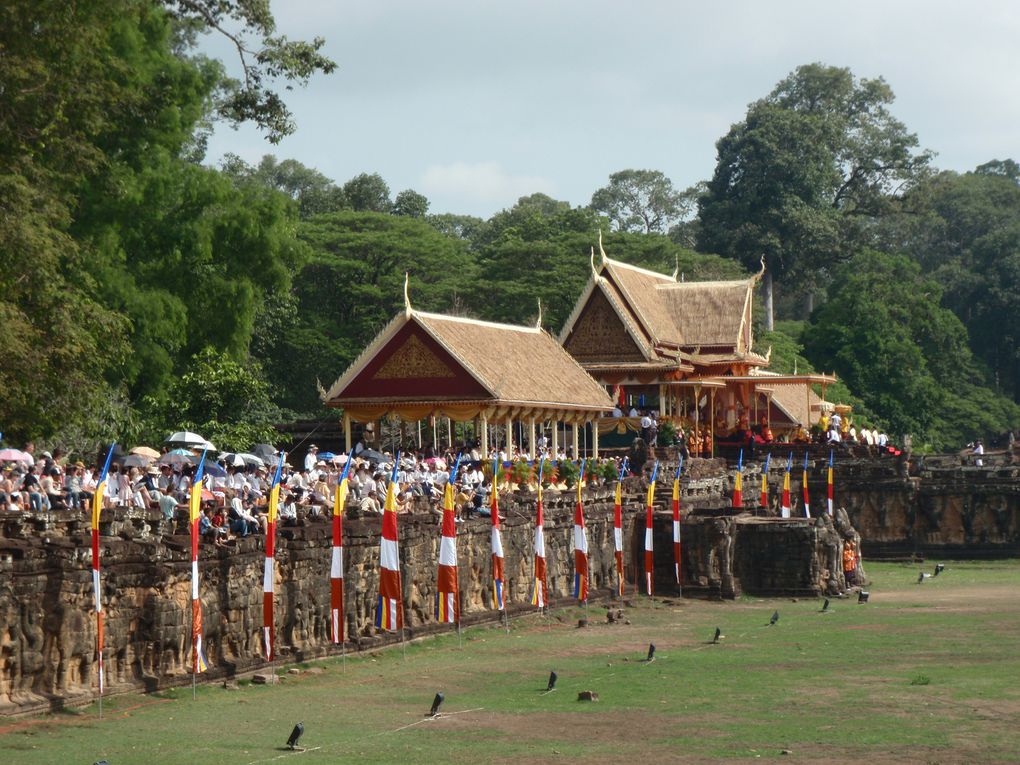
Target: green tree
[[368, 193], [313, 191], [227, 402], [641, 201], [410, 203], [800, 180], [884, 333]]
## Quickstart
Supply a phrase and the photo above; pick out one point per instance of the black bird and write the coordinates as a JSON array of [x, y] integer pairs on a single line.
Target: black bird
[[939, 568], [552, 681], [436, 703], [921, 577], [774, 619], [295, 735], [862, 597], [825, 606], [718, 635], [651, 652]]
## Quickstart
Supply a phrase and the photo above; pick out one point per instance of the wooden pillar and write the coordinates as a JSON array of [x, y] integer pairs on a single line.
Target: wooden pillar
[[576, 453], [449, 433], [531, 436], [595, 438], [711, 419], [485, 438], [347, 432], [662, 400], [555, 438], [509, 437]]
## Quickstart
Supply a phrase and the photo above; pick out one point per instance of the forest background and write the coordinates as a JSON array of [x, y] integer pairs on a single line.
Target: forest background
[[142, 291]]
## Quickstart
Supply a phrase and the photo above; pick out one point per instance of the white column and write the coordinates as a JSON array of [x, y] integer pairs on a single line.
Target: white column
[[509, 437], [347, 432], [485, 438], [595, 439], [555, 438], [531, 438], [576, 453]]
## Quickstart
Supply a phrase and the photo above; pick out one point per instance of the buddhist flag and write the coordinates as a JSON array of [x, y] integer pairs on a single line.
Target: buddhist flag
[[649, 555], [194, 513], [785, 505], [829, 487], [580, 546], [269, 575], [447, 601], [389, 614], [807, 503], [676, 520], [618, 527], [738, 484], [538, 589], [497, 546], [765, 482], [97, 509], [336, 566]]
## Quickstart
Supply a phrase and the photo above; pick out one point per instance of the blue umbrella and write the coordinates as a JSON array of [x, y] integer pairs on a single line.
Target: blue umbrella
[[326, 455]]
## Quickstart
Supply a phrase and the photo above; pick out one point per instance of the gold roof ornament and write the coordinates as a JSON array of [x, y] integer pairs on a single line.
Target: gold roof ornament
[[538, 321], [407, 296]]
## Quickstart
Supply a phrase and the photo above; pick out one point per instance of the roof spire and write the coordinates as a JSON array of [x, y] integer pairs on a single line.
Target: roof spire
[[407, 297], [761, 273], [604, 256], [594, 271], [676, 270], [538, 322]]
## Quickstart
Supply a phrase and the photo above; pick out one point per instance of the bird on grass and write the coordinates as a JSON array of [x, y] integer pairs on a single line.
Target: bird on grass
[[718, 635], [774, 619], [825, 606], [295, 735]]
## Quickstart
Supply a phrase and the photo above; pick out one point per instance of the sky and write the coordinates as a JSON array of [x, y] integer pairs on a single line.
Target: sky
[[478, 103]]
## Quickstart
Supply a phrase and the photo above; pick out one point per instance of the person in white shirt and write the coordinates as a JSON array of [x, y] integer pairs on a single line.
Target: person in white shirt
[[979, 449], [311, 457]]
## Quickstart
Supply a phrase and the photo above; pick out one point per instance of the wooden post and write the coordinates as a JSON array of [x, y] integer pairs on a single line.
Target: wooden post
[[662, 400], [509, 438], [595, 438], [531, 437], [576, 453], [347, 432], [711, 419], [485, 438], [449, 433], [555, 438]]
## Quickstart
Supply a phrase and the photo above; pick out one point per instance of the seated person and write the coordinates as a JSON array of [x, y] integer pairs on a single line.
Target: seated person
[[242, 522], [288, 511], [167, 502]]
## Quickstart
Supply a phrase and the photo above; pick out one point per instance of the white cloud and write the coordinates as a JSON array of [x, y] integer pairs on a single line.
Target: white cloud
[[485, 183]]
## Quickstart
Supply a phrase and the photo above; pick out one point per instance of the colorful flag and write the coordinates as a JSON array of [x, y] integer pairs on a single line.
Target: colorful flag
[[618, 527], [580, 546], [497, 546], [765, 482], [738, 484], [538, 590], [676, 520], [269, 575], [649, 555], [807, 503], [785, 504], [336, 566], [830, 485], [97, 509], [447, 600], [194, 513], [389, 614]]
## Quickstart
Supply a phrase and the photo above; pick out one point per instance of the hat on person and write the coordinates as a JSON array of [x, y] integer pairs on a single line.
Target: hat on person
[[313, 448], [152, 470], [79, 464], [47, 455]]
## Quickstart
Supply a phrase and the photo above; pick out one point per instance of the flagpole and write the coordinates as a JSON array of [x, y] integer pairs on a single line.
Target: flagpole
[[97, 509]]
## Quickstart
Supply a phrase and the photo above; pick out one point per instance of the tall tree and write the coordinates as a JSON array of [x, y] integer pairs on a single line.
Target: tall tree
[[641, 201], [313, 191], [800, 179], [368, 193]]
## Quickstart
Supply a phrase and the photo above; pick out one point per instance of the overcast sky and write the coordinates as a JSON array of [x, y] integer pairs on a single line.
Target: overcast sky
[[477, 103]]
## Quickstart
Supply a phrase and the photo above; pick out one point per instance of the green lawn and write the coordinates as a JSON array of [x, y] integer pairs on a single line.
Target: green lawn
[[923, 673]]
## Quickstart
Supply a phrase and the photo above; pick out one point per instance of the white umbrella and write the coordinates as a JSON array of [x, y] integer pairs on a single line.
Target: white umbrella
[[233, 460], [187, 438], [251, 459], [178, 457]]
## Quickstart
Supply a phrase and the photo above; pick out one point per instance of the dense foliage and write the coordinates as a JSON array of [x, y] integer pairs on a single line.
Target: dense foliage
[[142, 291]]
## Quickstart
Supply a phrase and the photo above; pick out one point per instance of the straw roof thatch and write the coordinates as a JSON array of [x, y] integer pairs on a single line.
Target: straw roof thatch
[[512, 366]]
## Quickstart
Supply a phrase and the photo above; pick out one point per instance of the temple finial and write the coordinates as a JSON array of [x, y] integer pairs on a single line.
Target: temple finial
[[761, 273], [407, 296], [676, 271], [602, 251], [594, 271], [538, 322]]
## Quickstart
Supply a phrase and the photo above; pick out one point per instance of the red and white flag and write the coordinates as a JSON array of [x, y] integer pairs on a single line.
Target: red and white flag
[[676, 520], [447, 600], [269, 574], [97, 509], [389, 613], [497, 546], [618, 528], [538, 588], [649, 528], [198, 663], [785, 506], [336, 565], [580, 546], [829, 487], [807, 502]]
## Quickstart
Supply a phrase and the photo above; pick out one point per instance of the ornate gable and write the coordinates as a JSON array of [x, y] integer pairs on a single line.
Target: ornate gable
[[600, 335], [413, 361]]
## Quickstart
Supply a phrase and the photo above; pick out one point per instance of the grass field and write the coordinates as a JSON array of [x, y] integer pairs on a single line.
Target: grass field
[[923, 673]]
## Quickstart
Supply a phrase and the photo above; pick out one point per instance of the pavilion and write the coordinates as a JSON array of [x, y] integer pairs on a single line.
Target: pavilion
[[683, 348], [499, 377]]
